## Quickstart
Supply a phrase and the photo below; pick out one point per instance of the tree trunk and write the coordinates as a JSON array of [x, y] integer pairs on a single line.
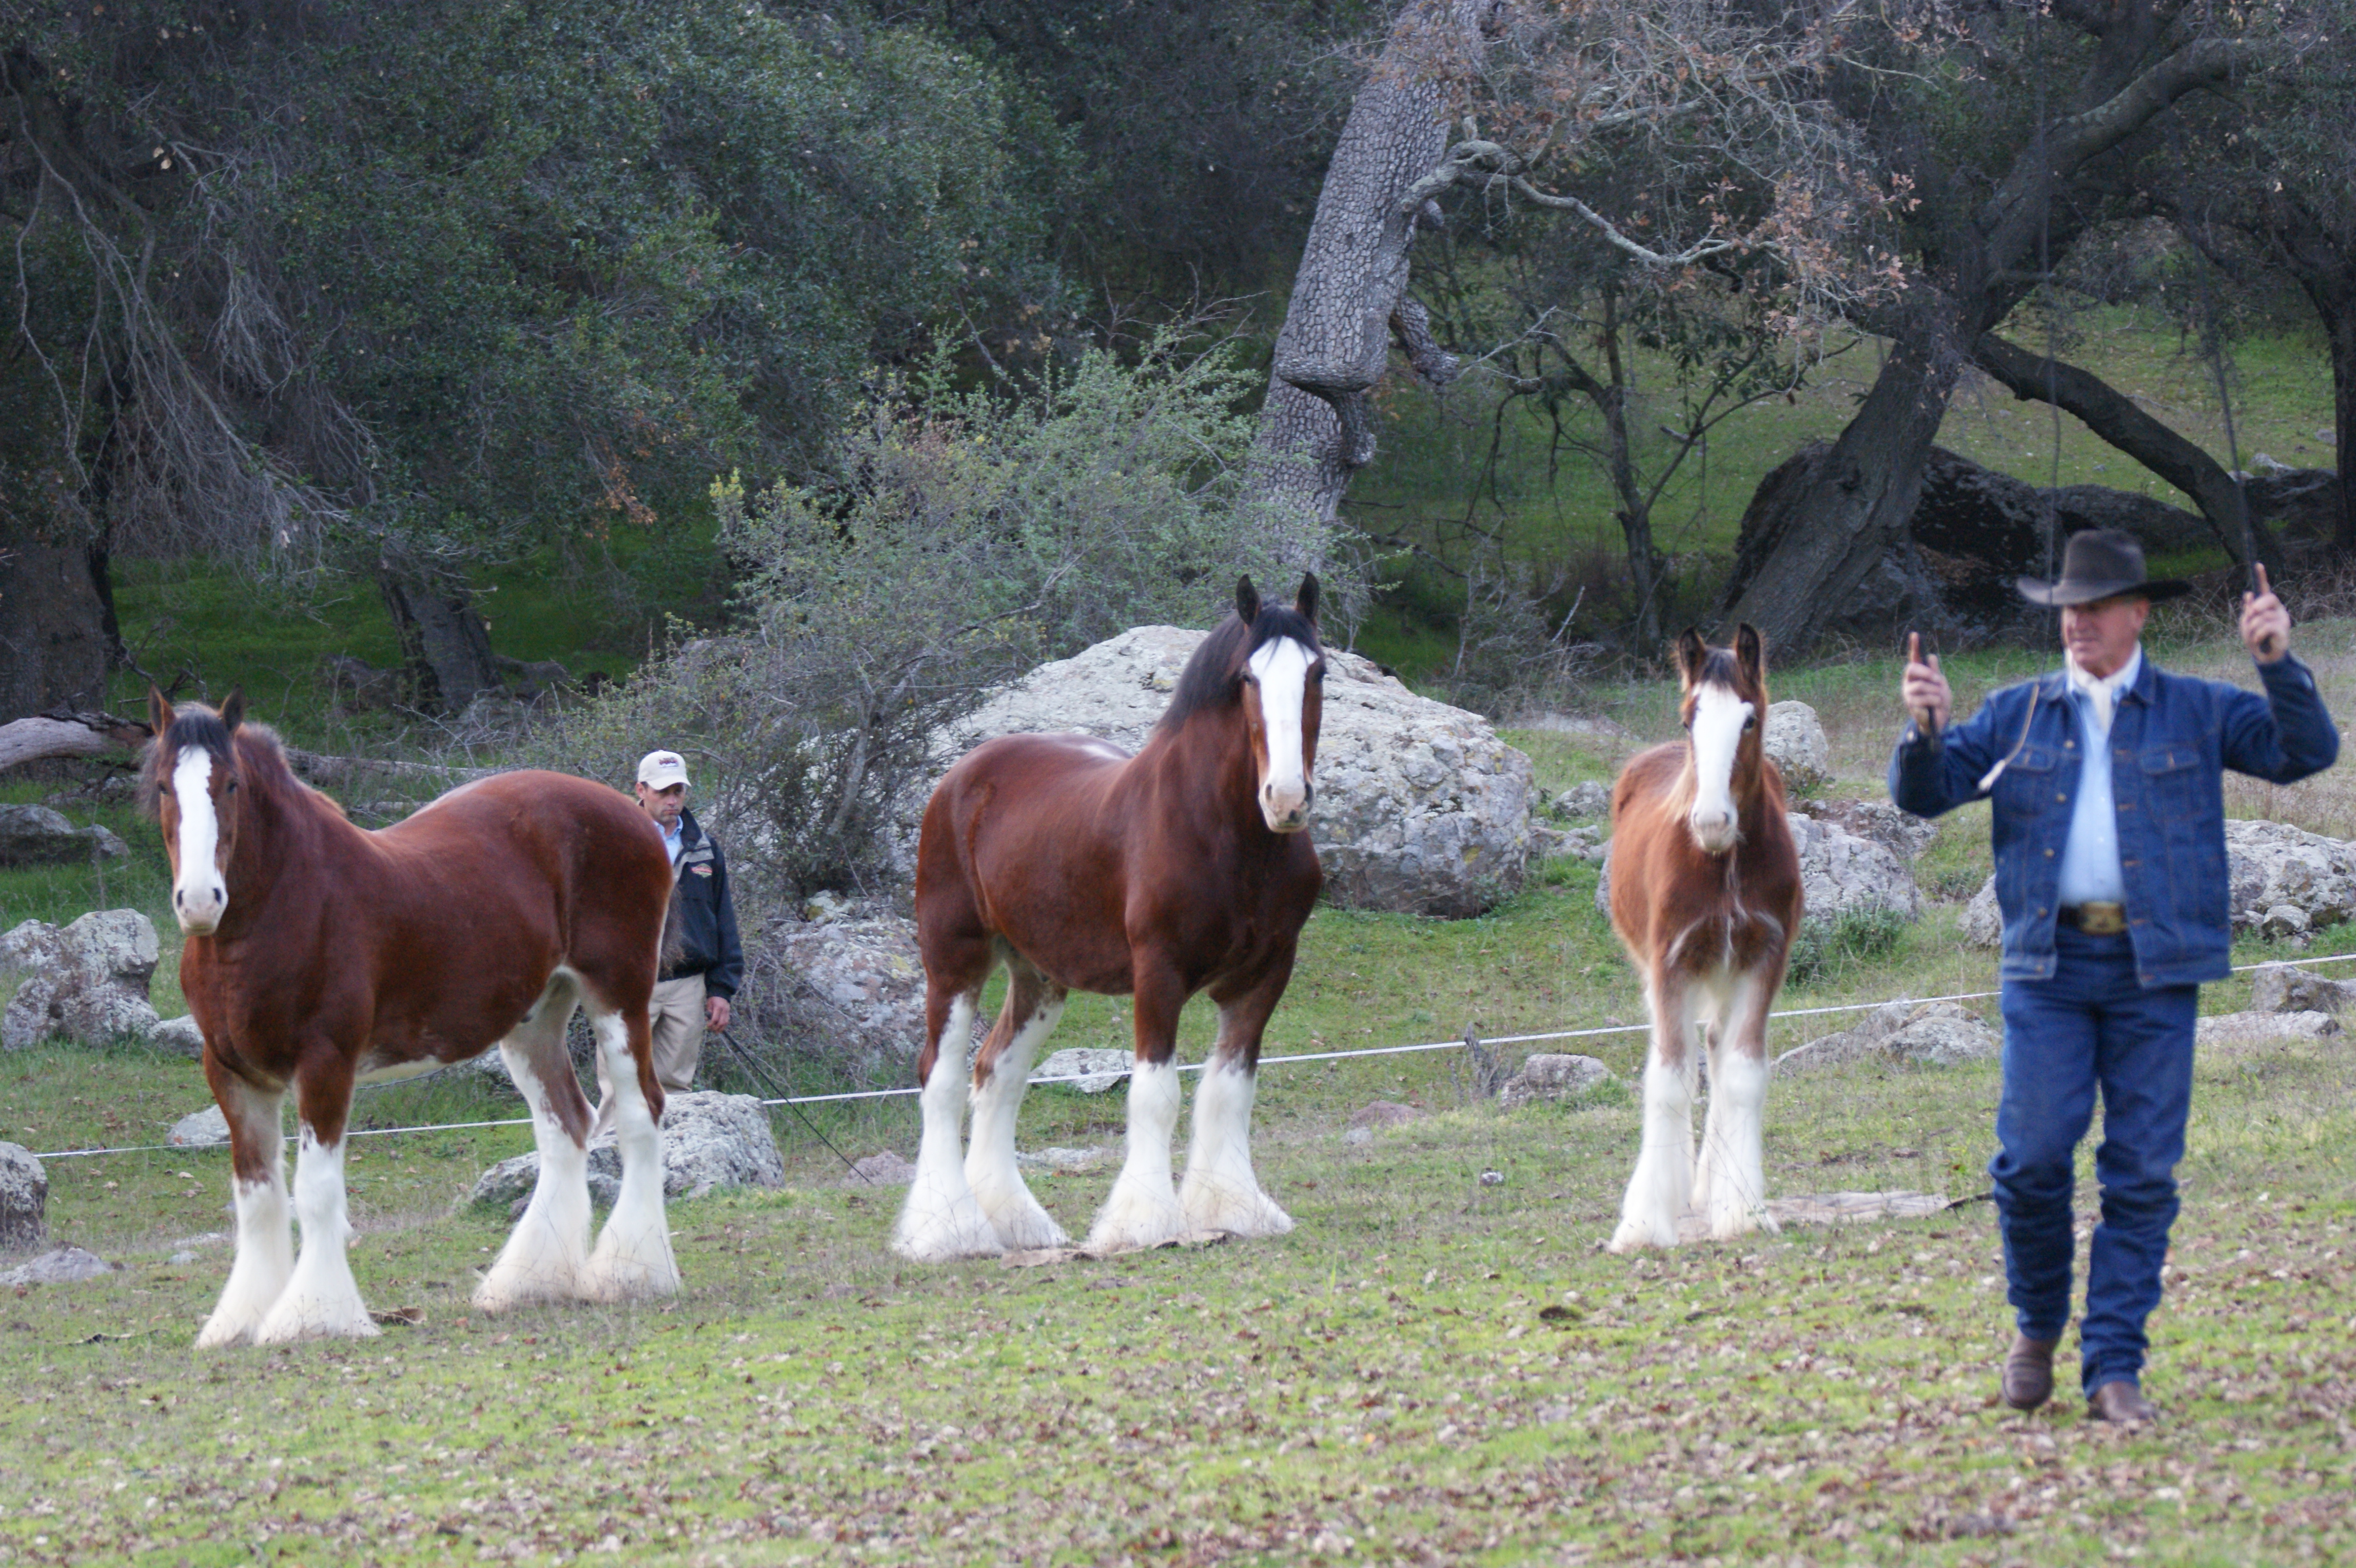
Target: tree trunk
[[1349, 296], [1807, 546], [2114, 417], [2338, 308], [446, 649], [53, 648]]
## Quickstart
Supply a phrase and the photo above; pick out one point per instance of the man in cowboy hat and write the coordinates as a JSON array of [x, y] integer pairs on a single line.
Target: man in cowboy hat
[[2108, 828]]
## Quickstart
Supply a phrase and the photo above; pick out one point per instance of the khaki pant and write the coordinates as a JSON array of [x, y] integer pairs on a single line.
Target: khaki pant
[[676, 1013]]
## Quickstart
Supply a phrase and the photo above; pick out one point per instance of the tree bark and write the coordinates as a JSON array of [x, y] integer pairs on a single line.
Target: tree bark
[[2113, 415], [1349, 296], [446, 649], [53, 650]]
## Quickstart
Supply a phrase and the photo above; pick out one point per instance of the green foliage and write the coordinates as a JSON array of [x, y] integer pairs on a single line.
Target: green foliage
[[1852, 940], [974, 534]]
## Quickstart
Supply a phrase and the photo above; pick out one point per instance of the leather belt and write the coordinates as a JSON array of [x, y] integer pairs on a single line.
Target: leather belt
[[2094, 919]]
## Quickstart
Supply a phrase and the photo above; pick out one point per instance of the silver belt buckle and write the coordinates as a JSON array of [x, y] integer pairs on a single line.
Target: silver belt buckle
[[2099, 919]]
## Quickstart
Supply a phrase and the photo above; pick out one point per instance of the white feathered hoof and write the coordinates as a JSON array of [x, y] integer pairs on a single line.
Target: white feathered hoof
[[1728, 1221], [1021, 1225], [1212, 1205], [939, 1226], [1637, 1235], [315, 1317], [1137, 1216]]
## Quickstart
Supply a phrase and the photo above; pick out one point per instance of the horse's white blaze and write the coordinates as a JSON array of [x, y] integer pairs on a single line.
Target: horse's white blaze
[[941, 1221], [322, 1299], [989, 1167], [1717, 723], [549, 1247], [200, 897], [1282, 669], [1221, 1192], [1143, 1210], [265, 1259], [633, 1257]]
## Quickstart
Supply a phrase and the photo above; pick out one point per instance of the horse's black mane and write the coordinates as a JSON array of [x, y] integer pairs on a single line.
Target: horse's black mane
[[1210, 679], [1720, 669]]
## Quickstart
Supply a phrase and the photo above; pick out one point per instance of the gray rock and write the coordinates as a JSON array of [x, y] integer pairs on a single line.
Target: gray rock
[[884, 1169], [1840, 873], [23, 1198], [2273, 865], [1931, 1033], [205, 1129], [1903, 835], [1092, 1070], [2280, 988], [710, 1141], [1384, 1113], [2263, 1028], [858, 991], [65, 1266], [179, 1036], [1419, 808], [1551, 1076], [1062, 1162], [36, 836], [1588, 844], [1982, 921], [1583, 801], [1795, 743], [2285, 922], [88, 982]]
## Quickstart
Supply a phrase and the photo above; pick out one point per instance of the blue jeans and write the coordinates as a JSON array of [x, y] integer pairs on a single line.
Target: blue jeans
[[2092, 1025]]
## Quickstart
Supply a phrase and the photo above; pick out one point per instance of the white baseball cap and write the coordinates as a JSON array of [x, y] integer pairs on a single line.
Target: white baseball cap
[[662, 770]]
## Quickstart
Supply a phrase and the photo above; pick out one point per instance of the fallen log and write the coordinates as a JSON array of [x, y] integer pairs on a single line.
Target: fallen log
[[63, 733]]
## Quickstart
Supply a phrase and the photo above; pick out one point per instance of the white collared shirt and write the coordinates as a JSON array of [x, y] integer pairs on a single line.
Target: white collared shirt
[[2089, 859]]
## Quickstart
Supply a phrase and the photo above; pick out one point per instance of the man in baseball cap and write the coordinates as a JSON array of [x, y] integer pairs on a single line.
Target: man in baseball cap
[[692, 992]]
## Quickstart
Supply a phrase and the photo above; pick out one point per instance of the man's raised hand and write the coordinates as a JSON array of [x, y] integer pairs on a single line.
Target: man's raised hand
[[1923, 689], [2265, 625]]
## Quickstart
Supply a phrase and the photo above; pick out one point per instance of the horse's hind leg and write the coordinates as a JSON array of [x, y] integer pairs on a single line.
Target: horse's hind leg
[[321, 1298], [1143, 1210], [1221, 1192], [1000, 1075], [550, 1246], [941, 1221], [1731, 1187], [1663, 1180], [265, 1250], [633, 1257]]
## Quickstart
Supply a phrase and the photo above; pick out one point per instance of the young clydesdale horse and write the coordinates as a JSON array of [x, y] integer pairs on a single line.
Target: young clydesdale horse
[[320, 956], [1706, 897], [1181, 869]]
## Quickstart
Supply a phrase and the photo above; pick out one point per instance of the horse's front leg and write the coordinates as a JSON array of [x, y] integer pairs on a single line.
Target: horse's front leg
[[266, 1249], [1221, 1191], [1731, 1190], [322, 1299], [1662, 1181], [1000, 1075], [1144, 1210]]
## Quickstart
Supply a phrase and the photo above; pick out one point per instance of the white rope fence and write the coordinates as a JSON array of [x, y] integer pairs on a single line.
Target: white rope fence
[[1189, 1067]]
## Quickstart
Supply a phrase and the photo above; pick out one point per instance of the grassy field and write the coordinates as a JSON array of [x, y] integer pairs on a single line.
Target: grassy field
[[1434, 1367]]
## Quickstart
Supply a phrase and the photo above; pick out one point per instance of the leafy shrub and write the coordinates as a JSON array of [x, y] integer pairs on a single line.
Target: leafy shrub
[[1825, 950]]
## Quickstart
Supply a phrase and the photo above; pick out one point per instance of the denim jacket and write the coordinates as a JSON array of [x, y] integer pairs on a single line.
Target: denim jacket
[[2171, 738]]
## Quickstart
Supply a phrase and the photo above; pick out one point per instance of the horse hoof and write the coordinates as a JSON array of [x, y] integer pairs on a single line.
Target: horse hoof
[[315, 1319], [1634, 1236], [217, 1335], [1251, 1216], [1029, 1232]]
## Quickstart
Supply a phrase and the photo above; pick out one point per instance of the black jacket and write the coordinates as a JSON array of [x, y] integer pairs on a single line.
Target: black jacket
[[706, 915]]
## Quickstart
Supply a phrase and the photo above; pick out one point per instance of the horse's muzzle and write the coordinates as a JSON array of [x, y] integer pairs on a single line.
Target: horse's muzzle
[[1286, 810], [1714, 832], [199, 916]]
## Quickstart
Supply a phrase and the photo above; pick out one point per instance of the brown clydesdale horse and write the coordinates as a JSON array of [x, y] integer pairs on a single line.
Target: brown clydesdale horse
[[1184, 868], [320, 956], [1706, 897]]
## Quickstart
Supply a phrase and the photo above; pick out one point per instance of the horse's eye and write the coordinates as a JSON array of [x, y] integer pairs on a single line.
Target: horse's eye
[[1750, 722], [230, 788]]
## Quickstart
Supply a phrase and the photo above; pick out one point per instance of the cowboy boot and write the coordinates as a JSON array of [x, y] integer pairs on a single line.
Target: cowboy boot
[[2122, 1401], [2028, 1372]]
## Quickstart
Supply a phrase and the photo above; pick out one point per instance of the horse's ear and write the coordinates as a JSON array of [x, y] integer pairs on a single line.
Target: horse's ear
[[1750, 652], [1692, 653], [159, 712], [1247, 599], [1306, 600], [232, 712]]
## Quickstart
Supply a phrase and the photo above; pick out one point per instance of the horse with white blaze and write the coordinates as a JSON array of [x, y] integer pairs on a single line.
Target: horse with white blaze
[[1186, 867], [1705, 898], [320, 956]]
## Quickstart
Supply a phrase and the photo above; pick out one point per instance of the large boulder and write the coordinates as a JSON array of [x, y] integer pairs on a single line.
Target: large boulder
[[2257, 1028], [88, 982], [710, 1141], [1552, 1075], [23, 1198], [2280, 880], [1419, 808], [1840, 874], [35, 836], [1795, 743], [1902, 834], [855, 990], [63, 1266], [1927, 1034], [2281, 988]]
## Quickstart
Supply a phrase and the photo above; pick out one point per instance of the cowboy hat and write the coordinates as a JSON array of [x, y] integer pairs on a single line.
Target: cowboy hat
[[2099, 563]]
